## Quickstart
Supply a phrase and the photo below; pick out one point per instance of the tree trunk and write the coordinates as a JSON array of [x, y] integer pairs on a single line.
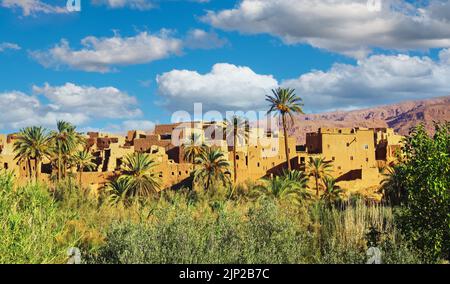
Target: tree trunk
[[30, 170], [37, 169], [317, 185], [80, 173], [59, 164], [234, 153], [286, 146]]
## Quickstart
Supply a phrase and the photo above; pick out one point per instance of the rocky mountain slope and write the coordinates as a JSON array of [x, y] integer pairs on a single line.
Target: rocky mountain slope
[[401, 117]]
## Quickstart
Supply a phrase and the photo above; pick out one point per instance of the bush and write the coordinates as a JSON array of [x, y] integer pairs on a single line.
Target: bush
[[426, 217]]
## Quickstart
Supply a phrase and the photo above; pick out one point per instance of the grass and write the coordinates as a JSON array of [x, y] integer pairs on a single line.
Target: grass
[[39, 224]]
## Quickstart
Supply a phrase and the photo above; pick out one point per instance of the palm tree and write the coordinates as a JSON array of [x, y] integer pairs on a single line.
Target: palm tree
[[194, 148], [285, 102], [214, 167], [332, 191], [319, 168], [65, 140], [239, 131], [33, 143], [290, 186], [83, 160], [393, 185], [138, 168], [118, 189]]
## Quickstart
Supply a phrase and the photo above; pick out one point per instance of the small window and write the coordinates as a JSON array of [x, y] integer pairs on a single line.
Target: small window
[[258, 165], [339, 168], [333, 158], [173, 173], [179, 173], [366, 147], [351, 158], [367, 159]]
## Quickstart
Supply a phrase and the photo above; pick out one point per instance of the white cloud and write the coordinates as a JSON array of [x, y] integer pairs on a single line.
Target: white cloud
[[379, 79], [349, 27], [102, 54], [143, 125], [77, 104], [200, 39], [32, 7], [226, 87], [7, 45], [133, 4]]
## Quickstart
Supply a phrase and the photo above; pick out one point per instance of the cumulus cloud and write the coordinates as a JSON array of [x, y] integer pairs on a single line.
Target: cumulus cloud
[[225, 87], [378, 79], [77, 104], [32, 7], [102, 54], [7, 45], [200, 39], [351, 27]]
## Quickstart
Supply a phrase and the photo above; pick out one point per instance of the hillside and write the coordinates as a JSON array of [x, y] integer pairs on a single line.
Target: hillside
[[401, 117]]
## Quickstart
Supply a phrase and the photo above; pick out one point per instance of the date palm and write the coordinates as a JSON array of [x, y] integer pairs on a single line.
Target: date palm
[[83, 160], [237, 128], [290, 186], [139, 169], [194, 148], [332, 191], [118, 189], [65, 140], [319, 168], [213, 167], [285, 103], [33, 143]]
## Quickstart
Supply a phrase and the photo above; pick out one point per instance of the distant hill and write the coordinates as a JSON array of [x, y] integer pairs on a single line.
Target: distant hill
[[401, 117]]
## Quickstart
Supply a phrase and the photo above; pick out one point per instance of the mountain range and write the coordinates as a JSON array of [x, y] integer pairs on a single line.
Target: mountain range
[[401, 117]]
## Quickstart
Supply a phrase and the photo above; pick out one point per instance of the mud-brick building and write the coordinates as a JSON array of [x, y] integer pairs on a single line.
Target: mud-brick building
[[351, 151]]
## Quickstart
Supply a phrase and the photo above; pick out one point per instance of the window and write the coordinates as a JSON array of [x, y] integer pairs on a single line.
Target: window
[[333, 158], [351, 158], [348, 144], [367, 159], [237, 157], [258, 164], [173, 173], [366, 147]]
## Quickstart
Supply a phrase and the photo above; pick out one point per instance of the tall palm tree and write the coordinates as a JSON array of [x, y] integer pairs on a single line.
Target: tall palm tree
[[138, 168], [239, 130], [332, 191], [319, 168], [33, 143], [66, 140], [213, 167], [285, 103], [83, 160], [290, 186], [194, 148]]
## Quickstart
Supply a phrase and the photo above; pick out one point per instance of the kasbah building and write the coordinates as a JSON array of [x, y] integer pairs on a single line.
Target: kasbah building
[[356, 154]]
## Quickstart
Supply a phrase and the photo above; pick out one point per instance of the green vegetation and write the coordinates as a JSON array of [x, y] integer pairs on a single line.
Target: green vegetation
[[274, 220]]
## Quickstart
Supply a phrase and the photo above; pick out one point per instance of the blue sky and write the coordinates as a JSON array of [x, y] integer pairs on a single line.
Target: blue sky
[[224, 54]]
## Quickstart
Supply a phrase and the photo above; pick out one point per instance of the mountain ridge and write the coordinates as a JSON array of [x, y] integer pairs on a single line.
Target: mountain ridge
[[399, 116]]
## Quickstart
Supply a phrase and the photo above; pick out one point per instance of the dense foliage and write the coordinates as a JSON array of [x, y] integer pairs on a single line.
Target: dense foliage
[[423, 184], [38, 225]]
